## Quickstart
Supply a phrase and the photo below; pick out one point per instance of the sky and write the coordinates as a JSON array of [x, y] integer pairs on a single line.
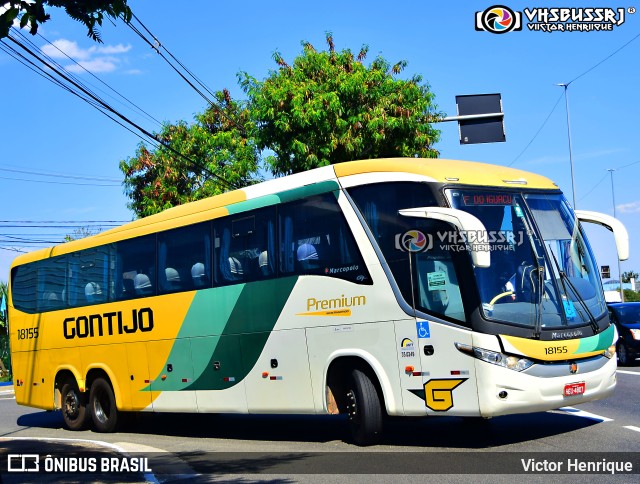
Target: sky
[[44, 129]]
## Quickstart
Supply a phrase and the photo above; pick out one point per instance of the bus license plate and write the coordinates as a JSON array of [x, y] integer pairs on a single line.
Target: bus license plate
[[571, 389]]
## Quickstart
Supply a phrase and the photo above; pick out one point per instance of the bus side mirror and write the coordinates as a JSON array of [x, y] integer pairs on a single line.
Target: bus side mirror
[[463, 221], [610, 223]]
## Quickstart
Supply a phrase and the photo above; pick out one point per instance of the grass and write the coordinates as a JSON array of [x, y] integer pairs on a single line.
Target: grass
[[5, 378]]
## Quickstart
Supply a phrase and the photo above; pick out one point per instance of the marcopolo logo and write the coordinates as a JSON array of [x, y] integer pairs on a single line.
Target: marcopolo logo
[[498, 20]]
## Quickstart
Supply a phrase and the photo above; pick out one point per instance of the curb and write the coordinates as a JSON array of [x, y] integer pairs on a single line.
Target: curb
[[6, 383]]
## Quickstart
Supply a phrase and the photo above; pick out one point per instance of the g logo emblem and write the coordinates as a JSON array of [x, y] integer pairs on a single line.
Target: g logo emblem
[[438, 394]]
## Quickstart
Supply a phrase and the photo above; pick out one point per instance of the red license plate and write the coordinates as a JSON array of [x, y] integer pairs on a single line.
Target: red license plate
[[571, 389]]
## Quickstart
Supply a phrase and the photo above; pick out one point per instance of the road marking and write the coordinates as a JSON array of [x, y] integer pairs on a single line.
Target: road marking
[[629, 372], [581, 413], [149, 477], [631, 427]]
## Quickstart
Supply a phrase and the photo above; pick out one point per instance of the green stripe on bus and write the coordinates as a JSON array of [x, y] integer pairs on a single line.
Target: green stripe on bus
[[254, 316], [282, 197], [599, 342], [308, 191], [227, 328]]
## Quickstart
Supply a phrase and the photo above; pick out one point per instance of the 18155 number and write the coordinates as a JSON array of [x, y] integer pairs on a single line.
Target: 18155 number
[[556, 350]]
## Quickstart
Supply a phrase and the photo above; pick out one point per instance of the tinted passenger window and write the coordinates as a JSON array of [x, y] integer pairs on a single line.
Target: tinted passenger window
[[184, 258], [52, 283], [245, 247], [135, 268], [315, 239], [23, 287], [89, 277]]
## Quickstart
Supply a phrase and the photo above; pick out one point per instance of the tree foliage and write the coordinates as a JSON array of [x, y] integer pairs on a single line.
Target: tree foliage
[[81, 233], [90, 13], [217, 142], [627, 275], [329, 107]]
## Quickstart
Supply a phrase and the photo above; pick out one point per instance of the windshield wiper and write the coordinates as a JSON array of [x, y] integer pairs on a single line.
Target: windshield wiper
[[539, 261], [565, 280]]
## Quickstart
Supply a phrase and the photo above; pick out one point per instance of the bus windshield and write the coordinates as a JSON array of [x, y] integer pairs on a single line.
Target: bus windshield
[[542, 273]]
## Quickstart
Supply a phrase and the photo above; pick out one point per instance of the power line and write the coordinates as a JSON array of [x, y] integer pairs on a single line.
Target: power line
[[13, 249], [626, 166], [95, 101], [537, 132], [60, 175], [65, 221], [605, 176], [60, 182], [138, 108], [603, 60], [156, 45], [567, 85], [594, 187]]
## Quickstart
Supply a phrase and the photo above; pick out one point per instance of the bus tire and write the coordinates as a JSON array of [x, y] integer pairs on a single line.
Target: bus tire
[[74, 410], [363, 408], [102, 406]]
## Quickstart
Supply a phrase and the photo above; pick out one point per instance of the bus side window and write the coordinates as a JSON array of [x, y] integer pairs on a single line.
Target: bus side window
[[245, 247], [23, 287], [135, 268], [316, 240], [184, 258], [88, 276], [52, 283]]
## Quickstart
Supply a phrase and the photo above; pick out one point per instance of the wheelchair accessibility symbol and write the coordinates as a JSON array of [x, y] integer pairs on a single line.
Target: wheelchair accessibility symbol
[[423, 329]]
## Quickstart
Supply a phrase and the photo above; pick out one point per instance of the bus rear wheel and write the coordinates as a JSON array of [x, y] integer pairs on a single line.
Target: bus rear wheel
[[102, 406], [364, 409], [74, 410]]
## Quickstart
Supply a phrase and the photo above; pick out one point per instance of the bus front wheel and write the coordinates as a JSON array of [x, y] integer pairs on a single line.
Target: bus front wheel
[[102, 406], [364, 409], [74, 410]]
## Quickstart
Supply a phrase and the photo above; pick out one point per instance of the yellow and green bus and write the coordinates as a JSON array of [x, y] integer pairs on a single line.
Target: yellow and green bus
[[403, 287]]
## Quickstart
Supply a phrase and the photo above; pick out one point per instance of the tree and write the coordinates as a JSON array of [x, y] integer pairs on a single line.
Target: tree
[[628, 275], [631, 296], [90, 13], [81, 233], [328, 107], [194, 161]]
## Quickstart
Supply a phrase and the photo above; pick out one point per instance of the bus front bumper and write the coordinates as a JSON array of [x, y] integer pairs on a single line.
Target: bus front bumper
[[502, 391]]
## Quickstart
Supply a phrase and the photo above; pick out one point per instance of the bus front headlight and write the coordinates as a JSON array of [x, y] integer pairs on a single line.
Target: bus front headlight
[[512, 362], [610, 352]]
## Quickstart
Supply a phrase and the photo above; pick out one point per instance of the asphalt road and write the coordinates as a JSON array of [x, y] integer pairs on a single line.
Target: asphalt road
[[271, 448]]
